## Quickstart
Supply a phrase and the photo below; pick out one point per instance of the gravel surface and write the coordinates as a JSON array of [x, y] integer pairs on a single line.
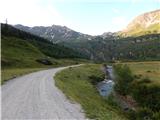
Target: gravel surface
[[35, 97]]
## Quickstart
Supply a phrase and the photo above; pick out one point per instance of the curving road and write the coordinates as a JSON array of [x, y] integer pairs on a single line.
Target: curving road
[[35, 97]]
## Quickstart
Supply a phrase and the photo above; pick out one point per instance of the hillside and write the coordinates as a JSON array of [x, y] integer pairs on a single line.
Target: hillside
[[141, 48], [147, 23], [21, 49]]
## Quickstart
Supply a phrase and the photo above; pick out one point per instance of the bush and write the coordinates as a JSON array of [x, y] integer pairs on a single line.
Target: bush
[[95, 80], [111, 101], [156, 116], [124, 79], [147, 95], [131, 114], [144, 114]]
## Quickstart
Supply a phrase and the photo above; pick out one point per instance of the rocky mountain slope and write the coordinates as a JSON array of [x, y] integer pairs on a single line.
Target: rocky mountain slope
[[147, 23], [55, 33]]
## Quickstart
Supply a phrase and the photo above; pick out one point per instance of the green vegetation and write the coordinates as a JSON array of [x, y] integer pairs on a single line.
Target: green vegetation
[[77, 83], [18, 53], [142, 48], [21, 50], [143, 89], [124, 79], [138, 30], [149, 70], [46, 47]]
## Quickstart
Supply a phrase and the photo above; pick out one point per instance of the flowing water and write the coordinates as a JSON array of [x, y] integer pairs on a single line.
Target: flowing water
[[105, 87]]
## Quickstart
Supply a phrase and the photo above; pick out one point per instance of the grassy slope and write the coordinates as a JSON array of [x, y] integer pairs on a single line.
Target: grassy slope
[[18, 57], [76, 84], [147, 69], [138, 31], [19, 53]]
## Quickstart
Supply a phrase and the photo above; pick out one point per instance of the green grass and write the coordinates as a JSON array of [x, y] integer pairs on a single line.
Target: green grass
[[18, 53], [76, 84], [150, 70]]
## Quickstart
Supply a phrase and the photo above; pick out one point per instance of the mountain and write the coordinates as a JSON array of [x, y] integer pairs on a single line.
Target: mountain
[[55, 33], [139, 41], [147, 23], [22, 49]]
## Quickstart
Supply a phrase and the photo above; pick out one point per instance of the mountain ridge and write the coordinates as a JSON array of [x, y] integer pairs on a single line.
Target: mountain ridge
[[54, 33], [145, 23]]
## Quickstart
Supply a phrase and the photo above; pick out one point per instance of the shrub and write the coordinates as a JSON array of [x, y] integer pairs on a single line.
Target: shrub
[[95, 80], [124, 79], [156, 115], [111, 101], [147, 95], [144, 114], [131, 114]]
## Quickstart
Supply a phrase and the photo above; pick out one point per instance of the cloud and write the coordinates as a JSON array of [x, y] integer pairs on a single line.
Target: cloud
[[115, 10], [118, 23], [29, 12], [144, 1], [135, 1], [119, 20]]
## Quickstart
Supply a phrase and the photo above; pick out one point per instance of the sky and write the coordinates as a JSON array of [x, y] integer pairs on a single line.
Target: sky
[[92, 17]]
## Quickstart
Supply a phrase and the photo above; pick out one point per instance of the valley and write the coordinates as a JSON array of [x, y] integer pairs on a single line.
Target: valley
[[52, 72]]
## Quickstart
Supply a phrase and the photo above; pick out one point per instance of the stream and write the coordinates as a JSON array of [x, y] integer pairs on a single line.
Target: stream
[[106, 86]]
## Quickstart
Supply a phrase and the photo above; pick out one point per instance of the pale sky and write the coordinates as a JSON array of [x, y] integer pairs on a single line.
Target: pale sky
[[92, 17]]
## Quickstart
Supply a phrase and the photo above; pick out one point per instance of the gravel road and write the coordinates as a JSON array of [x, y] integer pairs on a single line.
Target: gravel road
[[35, 97]]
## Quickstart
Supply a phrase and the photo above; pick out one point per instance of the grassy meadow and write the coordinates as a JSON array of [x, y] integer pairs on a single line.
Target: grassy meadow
[[149, 70]]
